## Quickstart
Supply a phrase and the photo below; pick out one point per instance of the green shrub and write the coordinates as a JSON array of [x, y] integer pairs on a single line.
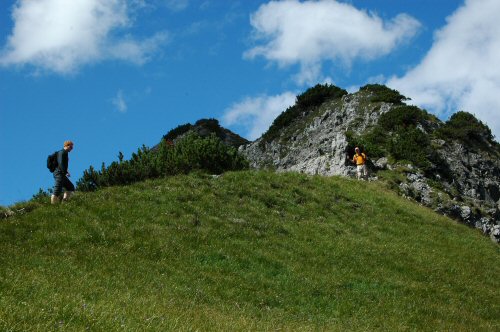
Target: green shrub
[[89, 180], [411, 144], [195, 153], [466, 128], [211, 125], [318, 94], [177, 131], [42, 195], [397, 135], [402, 117], [192, 152], [381, 93], [372, 142]]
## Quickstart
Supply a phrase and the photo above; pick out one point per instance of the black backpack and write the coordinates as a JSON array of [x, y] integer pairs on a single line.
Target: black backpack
[[52, 162]]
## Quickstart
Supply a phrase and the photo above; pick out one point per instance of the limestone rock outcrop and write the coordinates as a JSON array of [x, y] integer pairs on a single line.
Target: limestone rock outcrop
[[317, 142]]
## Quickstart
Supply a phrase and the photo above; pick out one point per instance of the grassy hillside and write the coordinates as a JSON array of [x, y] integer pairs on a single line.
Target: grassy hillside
[[245, 251]]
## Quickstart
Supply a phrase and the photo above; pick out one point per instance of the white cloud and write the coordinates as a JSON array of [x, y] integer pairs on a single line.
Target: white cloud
[[310, 32], [462, 69], [119, 102], [256, 114], [61, 35]]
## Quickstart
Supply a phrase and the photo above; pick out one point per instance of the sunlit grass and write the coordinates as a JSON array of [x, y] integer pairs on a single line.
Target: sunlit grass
[[245, 251]]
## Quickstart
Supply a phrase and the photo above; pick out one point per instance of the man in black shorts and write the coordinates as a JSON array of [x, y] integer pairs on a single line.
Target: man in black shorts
[[61, 175]]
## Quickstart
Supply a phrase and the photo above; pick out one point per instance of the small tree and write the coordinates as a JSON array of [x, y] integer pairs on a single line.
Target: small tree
[[192, 152], [381, 93], [465, 127]]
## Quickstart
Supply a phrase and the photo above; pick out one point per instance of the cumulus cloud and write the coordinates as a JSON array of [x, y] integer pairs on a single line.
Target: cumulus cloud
[[119, 102], [462, 69], [61, 35], [256, 114], [310, 32]]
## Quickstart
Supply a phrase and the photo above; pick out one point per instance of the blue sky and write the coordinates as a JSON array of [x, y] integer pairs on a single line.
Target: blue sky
[[112, 75]]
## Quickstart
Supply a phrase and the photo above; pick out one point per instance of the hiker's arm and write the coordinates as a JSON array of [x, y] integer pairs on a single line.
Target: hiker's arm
[[64, 163]]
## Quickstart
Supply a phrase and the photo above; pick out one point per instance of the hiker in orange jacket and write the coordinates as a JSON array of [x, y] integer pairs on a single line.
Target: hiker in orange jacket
[[360, 160]]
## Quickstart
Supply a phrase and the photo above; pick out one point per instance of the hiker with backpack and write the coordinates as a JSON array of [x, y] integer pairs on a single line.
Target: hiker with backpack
[[58, 165], [360, 160]]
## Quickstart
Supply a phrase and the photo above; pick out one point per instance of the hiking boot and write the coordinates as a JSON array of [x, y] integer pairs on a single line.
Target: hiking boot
[[67, 195], [54, 199]]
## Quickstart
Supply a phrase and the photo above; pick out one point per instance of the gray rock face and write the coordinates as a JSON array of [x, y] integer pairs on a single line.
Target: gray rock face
[[320, 146], [476, 176], [495, 233], [317, 143], [381, 163], [417, 188]]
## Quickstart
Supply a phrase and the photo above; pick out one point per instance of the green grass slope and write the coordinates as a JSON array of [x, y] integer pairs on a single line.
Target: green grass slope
[[245, 251]]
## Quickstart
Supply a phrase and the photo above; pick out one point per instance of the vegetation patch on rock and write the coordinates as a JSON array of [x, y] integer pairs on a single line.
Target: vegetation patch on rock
[[381, 93], [305, 103], [468, 130], [401, 134]]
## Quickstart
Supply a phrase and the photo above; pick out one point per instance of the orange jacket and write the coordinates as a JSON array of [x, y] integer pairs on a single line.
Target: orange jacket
[[359, 159]]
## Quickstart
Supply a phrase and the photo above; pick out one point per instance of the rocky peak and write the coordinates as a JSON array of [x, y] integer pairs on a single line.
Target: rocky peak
[[316, 142], [205, 128], [452, 167]]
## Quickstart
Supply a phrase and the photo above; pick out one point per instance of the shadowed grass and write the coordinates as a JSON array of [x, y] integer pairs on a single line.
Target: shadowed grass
[[245, 251]]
